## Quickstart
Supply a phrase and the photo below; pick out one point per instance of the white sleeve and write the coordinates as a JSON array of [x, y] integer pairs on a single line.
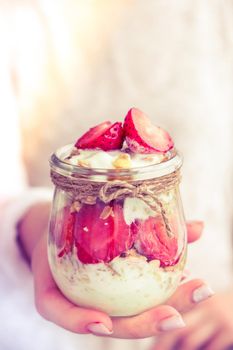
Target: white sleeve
[[10, 214], [15, 196], [13, 177]]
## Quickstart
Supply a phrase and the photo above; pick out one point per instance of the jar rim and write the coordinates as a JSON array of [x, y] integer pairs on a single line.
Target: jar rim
[[59, 165]]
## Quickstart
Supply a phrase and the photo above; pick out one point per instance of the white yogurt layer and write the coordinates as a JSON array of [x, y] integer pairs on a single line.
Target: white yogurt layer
[[114, 159], [126, 286], [135, 208]]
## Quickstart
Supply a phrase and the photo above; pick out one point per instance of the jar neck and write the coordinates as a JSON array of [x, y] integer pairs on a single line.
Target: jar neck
[[60, 166]]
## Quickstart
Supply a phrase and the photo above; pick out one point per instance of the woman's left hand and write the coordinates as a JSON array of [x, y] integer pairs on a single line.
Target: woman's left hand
[[209, 326]]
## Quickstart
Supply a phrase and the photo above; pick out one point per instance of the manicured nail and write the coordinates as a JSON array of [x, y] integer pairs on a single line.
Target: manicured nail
[[195, 223], [171, 323], [202, 293], [98, 328]]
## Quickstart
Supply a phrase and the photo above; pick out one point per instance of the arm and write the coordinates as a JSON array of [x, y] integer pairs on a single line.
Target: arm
[[35, 221]]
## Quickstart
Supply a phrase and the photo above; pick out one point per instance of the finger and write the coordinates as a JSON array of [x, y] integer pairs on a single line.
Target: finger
[[194, 230], [171, 341], [199, 336], [192, 338], [54, 307], [155, 321], [220, 341], [168, 341], [190, 293]]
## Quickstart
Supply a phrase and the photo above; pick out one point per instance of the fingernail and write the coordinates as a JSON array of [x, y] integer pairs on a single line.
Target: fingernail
[[98, 328], [196, 223], [171, 323], [202, 293]]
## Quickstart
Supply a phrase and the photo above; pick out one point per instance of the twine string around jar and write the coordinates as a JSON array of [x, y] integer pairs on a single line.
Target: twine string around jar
[[87, 192]]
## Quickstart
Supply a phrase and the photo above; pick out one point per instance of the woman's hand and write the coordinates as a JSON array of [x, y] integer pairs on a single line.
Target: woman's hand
[[209, 327], [53, 306]]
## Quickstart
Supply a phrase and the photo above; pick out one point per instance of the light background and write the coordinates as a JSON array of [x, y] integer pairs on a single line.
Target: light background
[[66, 65]]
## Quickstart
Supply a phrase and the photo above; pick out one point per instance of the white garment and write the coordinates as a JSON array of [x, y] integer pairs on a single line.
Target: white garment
[[171, 59]]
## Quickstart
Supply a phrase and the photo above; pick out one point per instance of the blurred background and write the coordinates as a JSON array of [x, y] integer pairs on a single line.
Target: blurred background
[[73, 63], [66, 65]]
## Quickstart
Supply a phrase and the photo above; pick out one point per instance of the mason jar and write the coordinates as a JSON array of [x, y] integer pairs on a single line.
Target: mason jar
[[117, 238]]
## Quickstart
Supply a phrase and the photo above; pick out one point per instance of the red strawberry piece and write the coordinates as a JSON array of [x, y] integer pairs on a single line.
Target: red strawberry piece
[[144, 137], [64, 231], [105, 136], [101, 239], [86, 140], [153, 242]]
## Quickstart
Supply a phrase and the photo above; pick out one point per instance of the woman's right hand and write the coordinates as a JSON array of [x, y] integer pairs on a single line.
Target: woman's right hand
[[54, 307]]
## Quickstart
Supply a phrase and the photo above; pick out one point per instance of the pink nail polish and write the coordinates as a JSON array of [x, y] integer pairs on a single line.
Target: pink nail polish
[[195, 223], [99, 329], [171, 323], [202, 293]]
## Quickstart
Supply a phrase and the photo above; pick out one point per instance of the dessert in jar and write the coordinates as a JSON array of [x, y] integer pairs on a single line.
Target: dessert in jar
[[117, 238]]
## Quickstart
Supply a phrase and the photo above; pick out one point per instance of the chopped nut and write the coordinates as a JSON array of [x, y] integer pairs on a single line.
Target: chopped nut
[[169, 268], [106, 212], [132, 253], [149, 158], [113, 271], [155, 263], [84, 163], [123, 161], [84, 278], [90, 200], [75, 207]]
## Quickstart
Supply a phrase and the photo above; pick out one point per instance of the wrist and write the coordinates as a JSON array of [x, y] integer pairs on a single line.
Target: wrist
[[31, 227]]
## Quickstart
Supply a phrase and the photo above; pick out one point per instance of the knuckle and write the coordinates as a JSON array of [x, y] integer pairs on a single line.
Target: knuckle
[[135, 330]]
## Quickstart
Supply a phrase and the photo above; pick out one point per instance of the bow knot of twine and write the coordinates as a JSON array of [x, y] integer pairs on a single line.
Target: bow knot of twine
[[116, 189], [87, 192]]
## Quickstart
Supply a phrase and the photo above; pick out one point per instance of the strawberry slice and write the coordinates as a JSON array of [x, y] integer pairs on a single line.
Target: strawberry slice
[[153, 242], [144, 137], [98, 238], [105, 136], [63, 231]]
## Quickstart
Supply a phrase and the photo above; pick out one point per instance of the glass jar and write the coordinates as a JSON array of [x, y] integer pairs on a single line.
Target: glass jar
[[117, 238]]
